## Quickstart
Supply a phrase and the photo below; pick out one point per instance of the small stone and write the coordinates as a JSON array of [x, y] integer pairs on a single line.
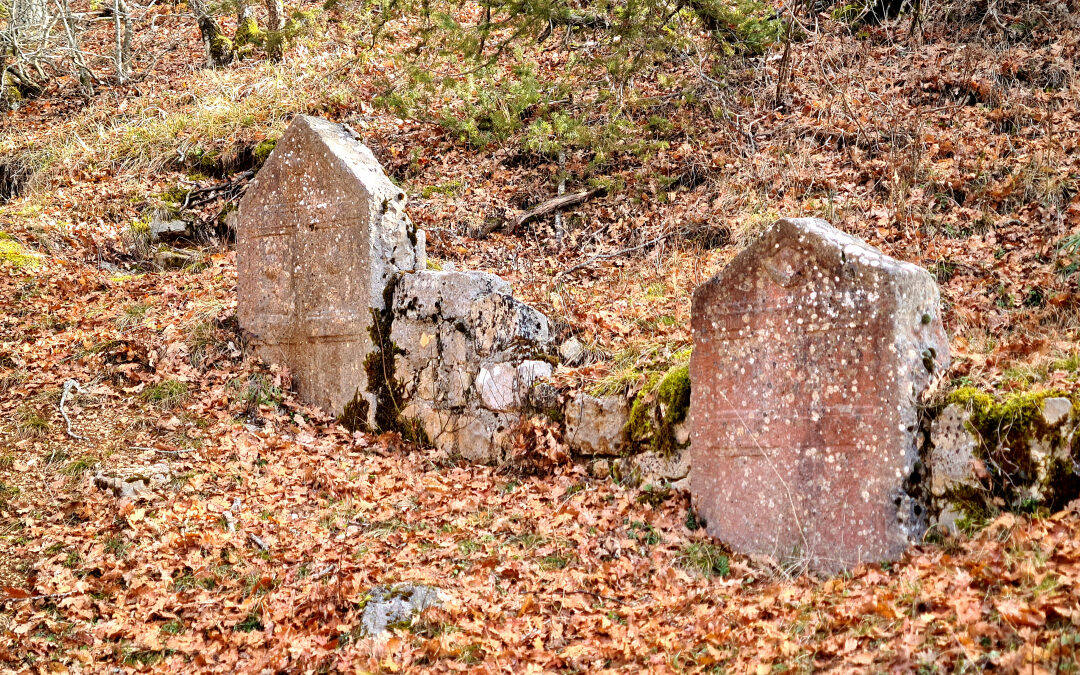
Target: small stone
[[529, 372], [1055, 410], [952, 457], [128, 482], [596, 425], [600, 469], [544, 397], [390, 606], [571, 351], [497, 384], [654, 467], [169, 229]]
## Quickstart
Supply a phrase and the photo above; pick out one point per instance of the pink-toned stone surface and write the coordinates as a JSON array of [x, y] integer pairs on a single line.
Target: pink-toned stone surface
[[811, 350], [320, 232]]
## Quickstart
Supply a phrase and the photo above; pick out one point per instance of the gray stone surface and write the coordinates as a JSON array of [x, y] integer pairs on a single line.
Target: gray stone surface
[[162, 229], [951, 462], [134, 481], [466, 359], [1056, 410], [596, 425], [811, 352], [656, 467], [391, 606], [320, 232]]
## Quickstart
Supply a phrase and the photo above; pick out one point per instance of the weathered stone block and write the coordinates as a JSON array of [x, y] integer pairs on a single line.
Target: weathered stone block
[[464, 358], [596, 425], [320, 233], [811, 350], [951, 462]]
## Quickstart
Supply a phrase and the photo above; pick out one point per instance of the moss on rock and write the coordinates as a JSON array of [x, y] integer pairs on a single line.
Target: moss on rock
[[1028, 462], [660, 406], [262, 151]]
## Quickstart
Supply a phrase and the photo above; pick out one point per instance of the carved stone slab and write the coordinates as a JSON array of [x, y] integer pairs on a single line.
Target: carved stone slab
[[810, 352], [319, 234]]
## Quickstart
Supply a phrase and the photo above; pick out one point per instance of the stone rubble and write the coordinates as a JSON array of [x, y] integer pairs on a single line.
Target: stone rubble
[[391, 606], [467, 354], [596, 425], [133, 481]]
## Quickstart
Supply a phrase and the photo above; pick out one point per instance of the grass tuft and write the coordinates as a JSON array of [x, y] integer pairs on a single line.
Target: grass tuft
[[167, 393], [705, 558]]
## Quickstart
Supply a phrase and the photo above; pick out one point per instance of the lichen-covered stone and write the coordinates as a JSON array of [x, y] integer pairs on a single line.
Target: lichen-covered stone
[[395, 606], [1018, 451], [811, 351], [952, 463], [597, 425], [466, 359], [133, 481], [321, 232], [658, 467]]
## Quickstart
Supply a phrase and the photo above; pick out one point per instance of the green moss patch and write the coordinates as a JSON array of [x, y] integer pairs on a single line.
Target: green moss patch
[[13, 253], [661, 405], [262, 151]]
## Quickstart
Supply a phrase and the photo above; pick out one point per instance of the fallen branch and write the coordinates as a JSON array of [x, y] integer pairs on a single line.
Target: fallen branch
[[258, 542], [68, 386], [555, 204], [211, 190], [605, 256]]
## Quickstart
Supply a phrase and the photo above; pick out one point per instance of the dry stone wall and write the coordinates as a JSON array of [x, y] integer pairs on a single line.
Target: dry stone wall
[[1019, 453], [812, 355], [467, 354]]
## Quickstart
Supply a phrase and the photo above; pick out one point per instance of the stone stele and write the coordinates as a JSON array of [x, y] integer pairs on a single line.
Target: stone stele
[[319, 234], [811, 351]]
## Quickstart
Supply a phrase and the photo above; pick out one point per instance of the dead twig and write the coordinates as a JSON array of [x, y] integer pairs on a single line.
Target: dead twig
[[615, 254], [68, 386], [555, 204], [258, 542]]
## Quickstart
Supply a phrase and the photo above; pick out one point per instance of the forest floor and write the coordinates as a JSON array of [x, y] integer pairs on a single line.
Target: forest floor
[[955, 150]]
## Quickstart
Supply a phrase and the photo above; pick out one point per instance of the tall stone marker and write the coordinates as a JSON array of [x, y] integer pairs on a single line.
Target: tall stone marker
[[811, 350], [320, 233]]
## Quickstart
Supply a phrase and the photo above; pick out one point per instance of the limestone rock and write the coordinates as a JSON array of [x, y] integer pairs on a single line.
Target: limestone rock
[[951, 462], [443, 295], [136, 481], [167, 230], [571, 351], [390, 606], [497, 384], [596, 425], [320, 233], [465, 359], [655, 467], [811, 350], [1055, 410]]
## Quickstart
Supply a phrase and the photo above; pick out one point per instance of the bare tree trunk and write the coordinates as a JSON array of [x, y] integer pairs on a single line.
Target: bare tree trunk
[[275, 15], [118, 56], [275, 29], [247, 28], [219, 49], [86, 77]]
